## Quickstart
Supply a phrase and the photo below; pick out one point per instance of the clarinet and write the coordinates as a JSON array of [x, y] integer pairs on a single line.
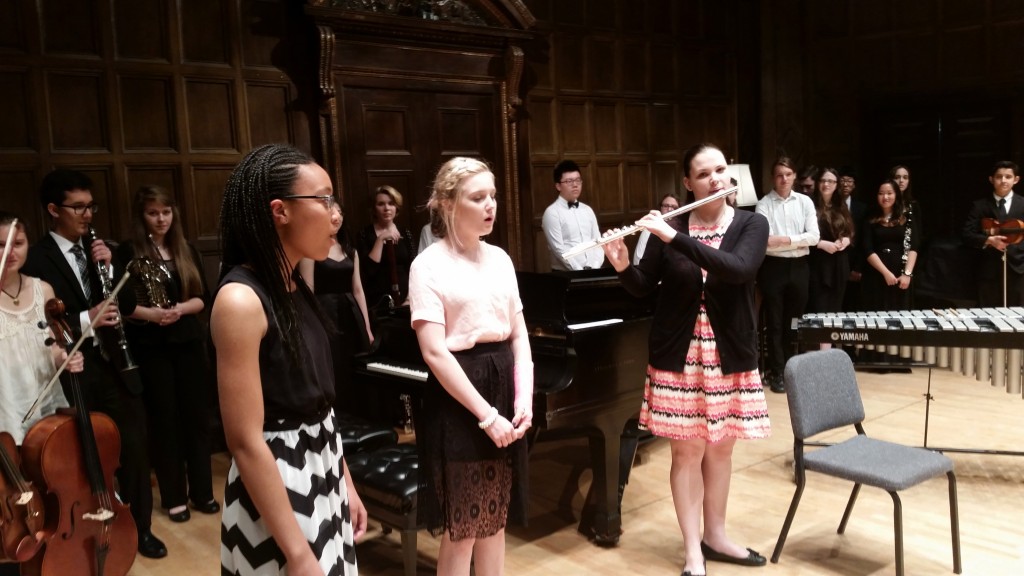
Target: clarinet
[[129, 370]]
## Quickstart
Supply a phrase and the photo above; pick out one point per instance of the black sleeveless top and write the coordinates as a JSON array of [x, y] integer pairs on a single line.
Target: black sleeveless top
[[333, 276], [291, 395]]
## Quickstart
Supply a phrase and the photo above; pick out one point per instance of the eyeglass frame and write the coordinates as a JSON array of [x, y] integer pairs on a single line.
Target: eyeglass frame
[[80, 209], [331, 200], [571, 181], [828, 181], [669, 206]]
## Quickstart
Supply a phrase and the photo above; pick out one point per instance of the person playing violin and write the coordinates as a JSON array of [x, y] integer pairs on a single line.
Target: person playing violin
[[1005, 208]]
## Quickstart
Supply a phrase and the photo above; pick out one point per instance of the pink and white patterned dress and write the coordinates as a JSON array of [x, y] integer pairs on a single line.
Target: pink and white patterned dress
[[702, 402]]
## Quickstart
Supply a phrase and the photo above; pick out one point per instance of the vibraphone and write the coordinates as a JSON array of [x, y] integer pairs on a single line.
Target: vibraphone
[[984, 343]]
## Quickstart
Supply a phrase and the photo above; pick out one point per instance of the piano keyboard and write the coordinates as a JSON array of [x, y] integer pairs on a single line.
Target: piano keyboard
[[399, 371]]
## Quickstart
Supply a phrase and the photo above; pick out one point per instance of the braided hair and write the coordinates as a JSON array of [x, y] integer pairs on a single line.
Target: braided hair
[[447, 192], [248, 235]]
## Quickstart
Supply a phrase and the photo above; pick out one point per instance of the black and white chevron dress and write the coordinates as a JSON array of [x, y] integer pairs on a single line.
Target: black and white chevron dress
[[301, 431], [309, 460]]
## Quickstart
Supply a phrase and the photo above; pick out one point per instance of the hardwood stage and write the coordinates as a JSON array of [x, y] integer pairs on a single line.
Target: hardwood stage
[[965, 413]]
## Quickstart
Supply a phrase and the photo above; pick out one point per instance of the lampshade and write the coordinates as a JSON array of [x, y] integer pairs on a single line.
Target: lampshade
[[747, 195]]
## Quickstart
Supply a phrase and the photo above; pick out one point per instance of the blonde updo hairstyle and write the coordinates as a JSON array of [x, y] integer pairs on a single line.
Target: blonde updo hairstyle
[[447, 192]]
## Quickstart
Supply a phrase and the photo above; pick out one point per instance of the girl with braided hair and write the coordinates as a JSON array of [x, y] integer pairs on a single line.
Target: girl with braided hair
[[289, 505]]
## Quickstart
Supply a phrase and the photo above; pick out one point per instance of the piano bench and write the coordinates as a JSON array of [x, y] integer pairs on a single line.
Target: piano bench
[[386, 481], [358, 435]]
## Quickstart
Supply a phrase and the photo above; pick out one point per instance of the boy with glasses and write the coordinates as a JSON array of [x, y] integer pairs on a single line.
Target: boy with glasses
[[568, 222], [64, 260]]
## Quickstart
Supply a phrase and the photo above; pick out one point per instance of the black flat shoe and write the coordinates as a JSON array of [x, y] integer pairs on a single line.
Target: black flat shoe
[[183, 516], [150, 546], [751, 559], [688, 573], [211, 507]]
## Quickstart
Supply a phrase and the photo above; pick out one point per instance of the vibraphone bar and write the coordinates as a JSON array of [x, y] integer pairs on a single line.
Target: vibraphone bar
[[984, 343]]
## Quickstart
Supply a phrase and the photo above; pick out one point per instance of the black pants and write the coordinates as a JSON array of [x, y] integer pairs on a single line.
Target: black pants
[[103, 391], [783, 283], [178, 399], [990, 290]]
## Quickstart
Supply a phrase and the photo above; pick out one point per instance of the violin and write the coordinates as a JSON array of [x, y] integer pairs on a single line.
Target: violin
[[1012, 229], [21, 507], [71, 456]]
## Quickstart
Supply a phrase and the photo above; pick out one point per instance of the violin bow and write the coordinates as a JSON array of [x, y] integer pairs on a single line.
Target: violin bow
[[8, 246], [85, 334]]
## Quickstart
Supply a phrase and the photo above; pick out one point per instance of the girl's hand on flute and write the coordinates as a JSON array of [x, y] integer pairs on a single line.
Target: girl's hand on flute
[[654, 222], [616, 252]]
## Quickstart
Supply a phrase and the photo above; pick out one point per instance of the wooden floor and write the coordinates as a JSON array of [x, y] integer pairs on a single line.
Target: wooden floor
[[965, 414]]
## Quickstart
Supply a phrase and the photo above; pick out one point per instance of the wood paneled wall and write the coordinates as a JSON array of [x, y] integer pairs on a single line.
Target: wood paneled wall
[[935, 84], [624, 87], [131, 92]]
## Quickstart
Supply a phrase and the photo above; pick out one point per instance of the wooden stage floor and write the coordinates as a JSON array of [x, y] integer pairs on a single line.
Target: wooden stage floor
[[965, 413]]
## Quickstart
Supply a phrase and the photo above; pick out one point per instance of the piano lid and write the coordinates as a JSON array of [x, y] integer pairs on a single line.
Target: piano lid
[[556, 299]]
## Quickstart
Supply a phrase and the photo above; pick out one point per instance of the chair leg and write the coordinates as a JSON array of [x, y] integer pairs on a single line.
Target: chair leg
[[801, 482], [897, 521], [954, 522], [409, 551], [849, 509]]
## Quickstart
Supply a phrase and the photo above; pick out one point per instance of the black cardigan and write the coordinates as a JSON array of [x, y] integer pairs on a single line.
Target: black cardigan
[[728, 292]]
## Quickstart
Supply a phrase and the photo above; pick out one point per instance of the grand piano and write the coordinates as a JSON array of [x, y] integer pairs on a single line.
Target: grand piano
[[589, 344]]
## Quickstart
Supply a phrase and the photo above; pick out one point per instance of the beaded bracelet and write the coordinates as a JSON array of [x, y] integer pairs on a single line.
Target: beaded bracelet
[[491, 417]]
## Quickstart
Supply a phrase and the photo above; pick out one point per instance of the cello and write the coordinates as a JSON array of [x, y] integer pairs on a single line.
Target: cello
[[71, 456], [21, 507]]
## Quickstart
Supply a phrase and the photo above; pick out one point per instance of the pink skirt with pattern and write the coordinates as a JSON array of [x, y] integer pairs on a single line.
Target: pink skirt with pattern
[[701, 401]]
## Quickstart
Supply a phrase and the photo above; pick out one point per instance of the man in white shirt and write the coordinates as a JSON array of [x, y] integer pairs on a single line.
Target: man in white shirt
[[784, 275], [568, 222]]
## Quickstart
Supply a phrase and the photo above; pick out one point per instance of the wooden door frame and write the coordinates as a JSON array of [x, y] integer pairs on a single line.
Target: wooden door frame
[[365, 44]]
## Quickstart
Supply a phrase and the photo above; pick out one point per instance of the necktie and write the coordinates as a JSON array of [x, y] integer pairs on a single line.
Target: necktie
[[574, 204], [83, 270], [1001, 210]]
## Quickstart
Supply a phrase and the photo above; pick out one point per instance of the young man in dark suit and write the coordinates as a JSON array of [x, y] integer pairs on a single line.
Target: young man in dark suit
[[62, 259], [858, 213], [1001, 205]]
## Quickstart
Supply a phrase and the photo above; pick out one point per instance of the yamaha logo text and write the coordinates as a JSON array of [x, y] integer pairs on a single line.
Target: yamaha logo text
[[850, 337]]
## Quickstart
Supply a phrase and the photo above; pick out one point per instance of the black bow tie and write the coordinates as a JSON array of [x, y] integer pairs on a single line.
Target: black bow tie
[[574, 204]]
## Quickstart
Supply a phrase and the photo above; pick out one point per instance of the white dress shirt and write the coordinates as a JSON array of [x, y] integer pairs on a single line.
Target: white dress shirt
[[795, 217], [566, 227], [65, 246]]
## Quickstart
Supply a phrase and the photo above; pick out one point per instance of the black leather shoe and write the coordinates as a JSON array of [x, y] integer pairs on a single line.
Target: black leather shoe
[[751, 559], [776, 385], [150, 546], [183, 516], [211, 507]]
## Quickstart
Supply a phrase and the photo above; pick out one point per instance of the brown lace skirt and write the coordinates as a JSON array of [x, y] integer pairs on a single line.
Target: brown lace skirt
[[468, 486]]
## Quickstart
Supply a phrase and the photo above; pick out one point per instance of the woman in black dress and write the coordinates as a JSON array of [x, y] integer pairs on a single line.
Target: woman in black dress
[[336, 283], [168, 342], [385, 253], [830, 262], [890, 243]]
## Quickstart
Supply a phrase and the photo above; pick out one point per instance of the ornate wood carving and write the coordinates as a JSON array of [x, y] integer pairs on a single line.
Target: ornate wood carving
[[452, 68]]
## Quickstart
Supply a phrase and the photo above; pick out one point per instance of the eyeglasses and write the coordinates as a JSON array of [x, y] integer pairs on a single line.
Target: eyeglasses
[[669, 206], [327, 199], [572, 181], [828, 180], [80, 209]]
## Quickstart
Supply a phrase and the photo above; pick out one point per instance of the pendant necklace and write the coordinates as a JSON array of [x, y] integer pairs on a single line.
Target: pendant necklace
[[14, 297]]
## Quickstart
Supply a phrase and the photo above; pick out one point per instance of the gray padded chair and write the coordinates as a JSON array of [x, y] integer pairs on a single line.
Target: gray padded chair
[[822, 391]]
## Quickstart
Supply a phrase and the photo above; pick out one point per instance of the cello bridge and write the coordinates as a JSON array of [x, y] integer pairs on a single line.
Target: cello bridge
[[23, 499], [101, 515]]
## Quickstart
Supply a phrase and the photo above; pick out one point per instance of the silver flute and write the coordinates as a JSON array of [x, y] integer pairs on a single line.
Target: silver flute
[[634, 228]]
